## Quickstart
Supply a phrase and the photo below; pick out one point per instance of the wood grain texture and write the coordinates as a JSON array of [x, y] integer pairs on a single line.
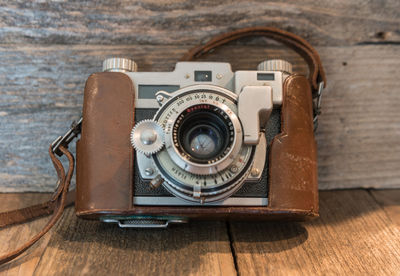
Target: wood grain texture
[[176, 22], [95, 248], [390, 201], [353, 236], [12, 237], [359, 128]]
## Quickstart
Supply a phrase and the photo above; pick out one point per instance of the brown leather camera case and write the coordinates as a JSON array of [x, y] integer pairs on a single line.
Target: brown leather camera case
[[105, 157]]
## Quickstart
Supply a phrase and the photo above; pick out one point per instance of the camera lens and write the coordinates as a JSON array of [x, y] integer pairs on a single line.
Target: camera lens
[[203, 134], [203, 142]]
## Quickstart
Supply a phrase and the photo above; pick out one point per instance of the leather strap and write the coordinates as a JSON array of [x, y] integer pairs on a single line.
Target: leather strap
[[55, 206], [309, 54], [35, 211]]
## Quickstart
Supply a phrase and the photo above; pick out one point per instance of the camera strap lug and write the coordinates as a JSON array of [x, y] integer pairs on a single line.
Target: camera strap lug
[[317, 104], [67, 138]]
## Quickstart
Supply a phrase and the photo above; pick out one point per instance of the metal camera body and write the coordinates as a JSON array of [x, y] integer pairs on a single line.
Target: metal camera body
[[202, 132]]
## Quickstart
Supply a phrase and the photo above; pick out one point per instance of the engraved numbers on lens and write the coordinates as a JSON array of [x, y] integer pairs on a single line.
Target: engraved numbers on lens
[[209, 181], [180, 102]]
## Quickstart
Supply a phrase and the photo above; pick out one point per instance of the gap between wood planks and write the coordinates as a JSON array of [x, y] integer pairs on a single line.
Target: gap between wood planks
[[233, 251]]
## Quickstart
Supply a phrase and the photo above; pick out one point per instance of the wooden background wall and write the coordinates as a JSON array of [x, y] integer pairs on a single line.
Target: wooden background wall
[[48, 49]]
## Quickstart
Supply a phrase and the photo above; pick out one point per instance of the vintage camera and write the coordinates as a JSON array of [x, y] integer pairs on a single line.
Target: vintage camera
[[201, 142], [202, 132], [198, 142]]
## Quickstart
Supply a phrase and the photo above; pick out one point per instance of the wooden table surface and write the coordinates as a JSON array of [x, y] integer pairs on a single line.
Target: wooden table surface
[[358, 233]]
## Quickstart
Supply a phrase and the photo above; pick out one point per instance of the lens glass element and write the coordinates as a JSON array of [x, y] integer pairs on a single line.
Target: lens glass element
[[204, 134], [203, 141]]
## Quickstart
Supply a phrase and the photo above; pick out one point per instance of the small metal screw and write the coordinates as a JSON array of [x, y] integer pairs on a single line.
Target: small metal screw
[[160, 98], [149, 171], [255, 172], [187, 76], [219, 76], [234, 169]]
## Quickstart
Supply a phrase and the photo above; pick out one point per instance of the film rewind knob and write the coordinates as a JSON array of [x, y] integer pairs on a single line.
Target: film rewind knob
[[117, 64]]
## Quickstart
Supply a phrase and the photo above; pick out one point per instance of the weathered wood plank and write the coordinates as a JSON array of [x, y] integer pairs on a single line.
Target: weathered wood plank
[[327, 23], [95, 248], [41, 93], [358, 143], [353, 236], [12, 237]]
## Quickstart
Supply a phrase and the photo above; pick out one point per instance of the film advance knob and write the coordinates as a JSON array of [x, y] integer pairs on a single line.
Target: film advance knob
[[116, 64], [275, 65], [147, 137]]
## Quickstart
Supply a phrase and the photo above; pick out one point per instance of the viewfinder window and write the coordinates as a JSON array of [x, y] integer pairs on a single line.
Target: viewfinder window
[[202, 76], [265, 77]]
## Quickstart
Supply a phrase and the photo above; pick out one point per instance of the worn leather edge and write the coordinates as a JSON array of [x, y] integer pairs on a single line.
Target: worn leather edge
[[228, 213], [104, 154], [293, 152]]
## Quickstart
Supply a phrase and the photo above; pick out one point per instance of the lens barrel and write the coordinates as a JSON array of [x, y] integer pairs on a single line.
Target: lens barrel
[[203, 134]]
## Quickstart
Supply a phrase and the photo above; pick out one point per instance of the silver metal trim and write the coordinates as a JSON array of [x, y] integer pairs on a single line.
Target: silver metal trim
[[119, 64], [145, 163], [254, 108], [144, 222], [208, 196], [249, 78], [260, 156], [175, 201], [178, 77]]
